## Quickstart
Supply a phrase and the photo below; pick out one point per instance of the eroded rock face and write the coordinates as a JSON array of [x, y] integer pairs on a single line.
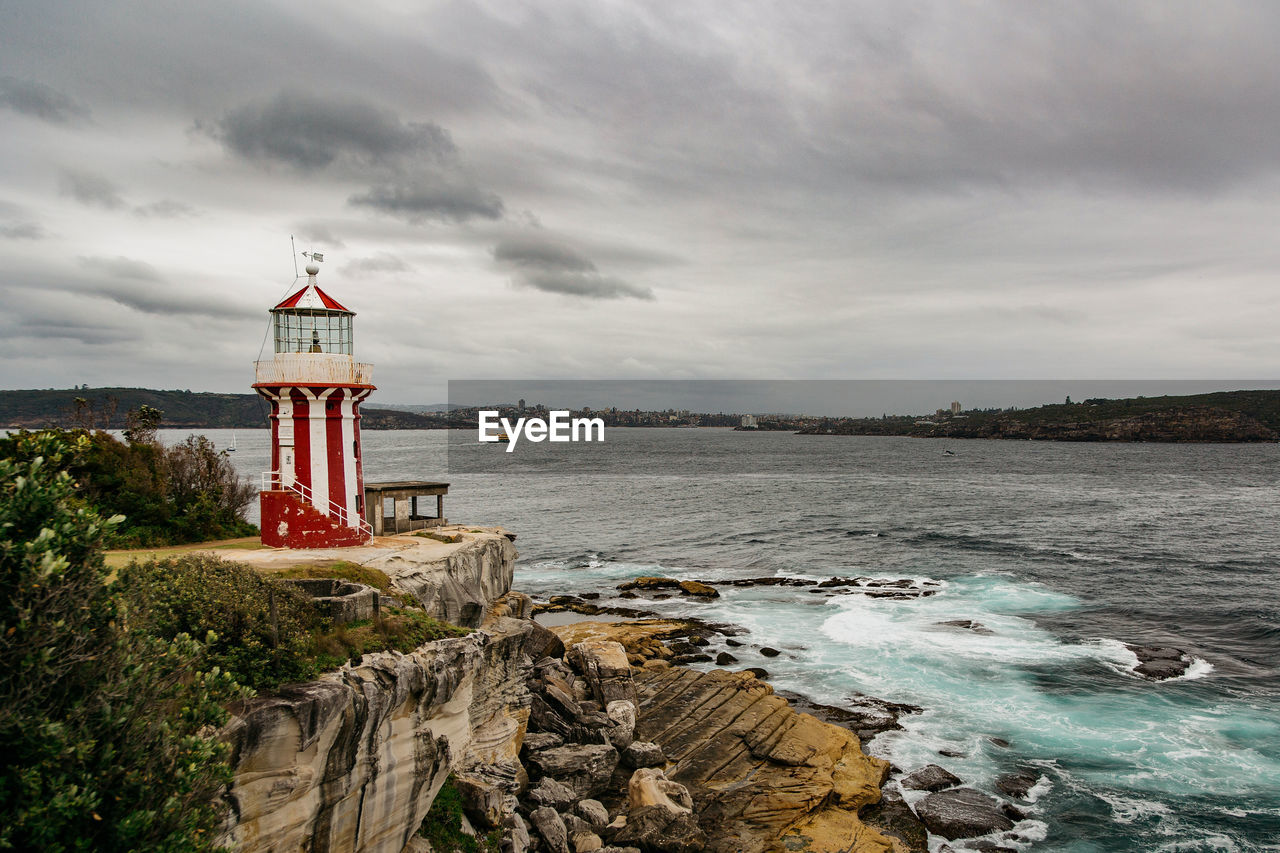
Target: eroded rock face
[[309, 761], [760, 774], [459, 586], [605, 666], [353, 760], [586, 768]]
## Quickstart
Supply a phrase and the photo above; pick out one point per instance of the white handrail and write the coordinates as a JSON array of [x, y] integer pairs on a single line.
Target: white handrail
[[273, 481]]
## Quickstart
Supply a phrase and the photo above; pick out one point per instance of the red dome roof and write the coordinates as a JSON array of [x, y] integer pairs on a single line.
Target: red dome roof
[[313, 297]]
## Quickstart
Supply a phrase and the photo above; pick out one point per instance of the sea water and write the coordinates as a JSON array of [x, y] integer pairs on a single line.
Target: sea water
[[1063, 552]]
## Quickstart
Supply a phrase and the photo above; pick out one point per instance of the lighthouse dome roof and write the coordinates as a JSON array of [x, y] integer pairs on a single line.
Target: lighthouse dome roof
[[313, 298]]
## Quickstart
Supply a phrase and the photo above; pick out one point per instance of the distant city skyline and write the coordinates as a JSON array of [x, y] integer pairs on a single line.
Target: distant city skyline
[[638, 190]]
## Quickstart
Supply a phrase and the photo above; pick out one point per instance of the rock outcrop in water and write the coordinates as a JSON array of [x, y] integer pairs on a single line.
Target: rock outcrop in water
[[1160, 662]]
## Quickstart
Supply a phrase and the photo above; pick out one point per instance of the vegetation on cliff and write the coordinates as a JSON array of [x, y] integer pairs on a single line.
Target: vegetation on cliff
[[167, 495], [103, 725], [266, 633]]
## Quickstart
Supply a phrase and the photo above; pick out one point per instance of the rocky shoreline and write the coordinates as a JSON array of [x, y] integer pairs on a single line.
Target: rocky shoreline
[[622, 730]]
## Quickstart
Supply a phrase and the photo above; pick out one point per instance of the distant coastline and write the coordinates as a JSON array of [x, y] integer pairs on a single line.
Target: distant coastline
[[1227, 416]]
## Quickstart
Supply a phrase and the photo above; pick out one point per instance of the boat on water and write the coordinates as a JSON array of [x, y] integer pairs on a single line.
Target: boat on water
[[232, 448]]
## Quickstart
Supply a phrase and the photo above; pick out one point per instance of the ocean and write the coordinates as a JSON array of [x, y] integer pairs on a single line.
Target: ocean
[[1064, 552]]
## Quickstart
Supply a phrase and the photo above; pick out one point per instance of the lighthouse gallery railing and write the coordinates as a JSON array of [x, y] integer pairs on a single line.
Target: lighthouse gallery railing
[[273, 481], [306, 368]]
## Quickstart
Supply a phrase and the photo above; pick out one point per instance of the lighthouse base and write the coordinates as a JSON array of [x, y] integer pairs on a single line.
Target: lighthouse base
[[288, 521]]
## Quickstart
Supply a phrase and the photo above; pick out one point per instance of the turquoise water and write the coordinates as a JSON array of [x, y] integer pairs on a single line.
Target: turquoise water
[[1064, 552]]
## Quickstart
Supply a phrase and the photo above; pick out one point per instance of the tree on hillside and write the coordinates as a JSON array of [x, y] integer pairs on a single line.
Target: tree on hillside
[[105, 729]]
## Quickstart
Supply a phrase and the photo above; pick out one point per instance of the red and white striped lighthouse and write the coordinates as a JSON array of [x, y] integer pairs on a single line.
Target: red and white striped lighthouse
[[313, 496]]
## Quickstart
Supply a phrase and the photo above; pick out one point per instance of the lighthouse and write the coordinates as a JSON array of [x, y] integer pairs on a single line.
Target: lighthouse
[[313, 496]]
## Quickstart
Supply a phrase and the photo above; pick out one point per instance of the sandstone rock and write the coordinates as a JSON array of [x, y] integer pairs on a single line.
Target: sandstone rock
[[585, 768], [650, 583], [482, 802], [866, 716], [893, 817], [962, 813], [551, 827], [758, 671], [573, 823], [593, 812], [651, 787], [724, 659], [660, 829], [604, 666], [516, 837], [455, 583], [696, 588], [769, 652], [534, 741], [642, 754], [360, 753], [698, 640], [931, 777], [730, 641], [622, 717], [584, 841], [550, 792], [1017, 784], [694, 658], [764, 776], [544, 643]]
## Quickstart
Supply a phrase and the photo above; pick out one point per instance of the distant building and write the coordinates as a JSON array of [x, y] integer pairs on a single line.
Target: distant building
[[955, 407], [749, 422]]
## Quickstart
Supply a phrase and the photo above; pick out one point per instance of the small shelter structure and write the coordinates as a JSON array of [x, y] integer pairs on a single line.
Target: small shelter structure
[[407, 505]]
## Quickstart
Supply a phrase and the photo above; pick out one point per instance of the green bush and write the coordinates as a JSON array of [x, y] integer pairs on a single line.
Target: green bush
[[443, 826], [104, 729], [200, 593], [167, 496]]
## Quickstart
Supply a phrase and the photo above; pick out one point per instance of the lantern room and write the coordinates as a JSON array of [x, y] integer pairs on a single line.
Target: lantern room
[[312, 321]]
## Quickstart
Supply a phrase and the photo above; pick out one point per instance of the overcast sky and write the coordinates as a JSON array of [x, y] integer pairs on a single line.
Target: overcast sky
[[626, 190]]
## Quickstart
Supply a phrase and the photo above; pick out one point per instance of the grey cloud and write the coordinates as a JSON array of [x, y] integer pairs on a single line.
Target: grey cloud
[[164, 209], [121, 267], [39, 101], [91, 189], [320, 235], [422, 198], [587, 285], [414, 169], [22, 231], [311, 133], [552, 267], [542, 254], [379, 263]]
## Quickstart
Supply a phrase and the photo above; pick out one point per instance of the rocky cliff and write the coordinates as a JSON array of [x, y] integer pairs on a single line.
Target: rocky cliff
[[352, 762]]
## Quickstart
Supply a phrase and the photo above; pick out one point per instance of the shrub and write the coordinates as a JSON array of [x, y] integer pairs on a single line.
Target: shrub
[[198, 593], [186, 493], [103, 728], [443, 826]]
